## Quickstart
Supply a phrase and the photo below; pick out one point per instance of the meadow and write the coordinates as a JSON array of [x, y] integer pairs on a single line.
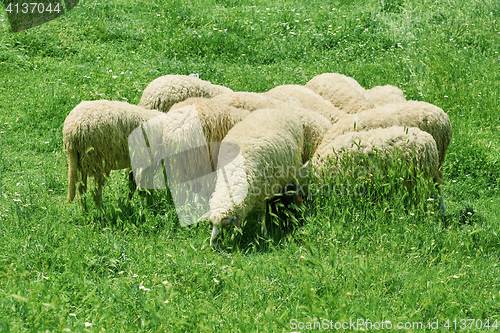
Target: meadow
[[338, 258]]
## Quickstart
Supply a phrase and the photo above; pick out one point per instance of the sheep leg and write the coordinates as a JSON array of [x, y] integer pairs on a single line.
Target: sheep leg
[[82, 190], [215, 236], [99, 182], [264, 229], [72, 174], [98, 196], [441, 200], [438, 181], [262, 220], [131, 184]]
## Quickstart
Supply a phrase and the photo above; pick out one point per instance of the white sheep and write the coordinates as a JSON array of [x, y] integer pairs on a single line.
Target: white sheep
[[382, 95], [342, 91], [95, 137], [307, 99], [427, 117], [418, 149], [167, 90], [314, 124], [259, 156]]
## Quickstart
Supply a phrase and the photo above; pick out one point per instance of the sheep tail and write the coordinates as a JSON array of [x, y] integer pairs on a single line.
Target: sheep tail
[[72, 174]]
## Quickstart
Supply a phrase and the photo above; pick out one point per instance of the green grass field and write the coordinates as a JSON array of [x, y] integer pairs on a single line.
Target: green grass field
[[339, 258]]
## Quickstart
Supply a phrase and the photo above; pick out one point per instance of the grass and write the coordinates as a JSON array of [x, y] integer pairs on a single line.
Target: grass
[[343, 258]]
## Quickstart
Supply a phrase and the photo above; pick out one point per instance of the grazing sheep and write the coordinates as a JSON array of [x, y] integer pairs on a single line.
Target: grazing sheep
[[427, 117], [95, 137], [417, 148], [167, 90], [259, 156], [342, 91], [382, 95], [307, 99]]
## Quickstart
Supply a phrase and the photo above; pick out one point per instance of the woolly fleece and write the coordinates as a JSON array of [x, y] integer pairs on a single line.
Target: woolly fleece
[[382, 95], [342, 91], [417, 148], [307, 99], [427, 117], [250, 101], [181, 131], [167, 90]]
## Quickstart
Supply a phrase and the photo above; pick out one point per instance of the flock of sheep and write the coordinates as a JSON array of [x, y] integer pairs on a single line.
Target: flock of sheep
[[286, 130]]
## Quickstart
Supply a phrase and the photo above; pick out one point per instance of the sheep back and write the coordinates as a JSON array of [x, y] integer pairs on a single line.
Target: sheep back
[[382, 95], [342, 91], [167, 90], [314, 126], [250, 101], [216, 118], [307, 99]]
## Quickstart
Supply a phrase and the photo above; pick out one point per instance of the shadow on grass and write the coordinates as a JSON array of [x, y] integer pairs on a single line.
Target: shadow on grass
[[147, 211], [465, 216]]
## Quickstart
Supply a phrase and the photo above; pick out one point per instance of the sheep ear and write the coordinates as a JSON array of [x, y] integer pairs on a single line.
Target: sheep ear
[[205, 216], [236, 224]]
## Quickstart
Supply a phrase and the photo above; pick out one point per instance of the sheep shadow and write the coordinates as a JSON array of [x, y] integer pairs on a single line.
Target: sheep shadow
[[151, 211], [467, 215]]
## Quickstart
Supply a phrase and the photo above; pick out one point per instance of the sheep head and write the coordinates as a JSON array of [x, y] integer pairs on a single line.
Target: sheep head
[[218, 221], [225, 223]]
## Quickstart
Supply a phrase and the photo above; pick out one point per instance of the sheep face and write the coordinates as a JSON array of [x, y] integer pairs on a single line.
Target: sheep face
[[224, 223]]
